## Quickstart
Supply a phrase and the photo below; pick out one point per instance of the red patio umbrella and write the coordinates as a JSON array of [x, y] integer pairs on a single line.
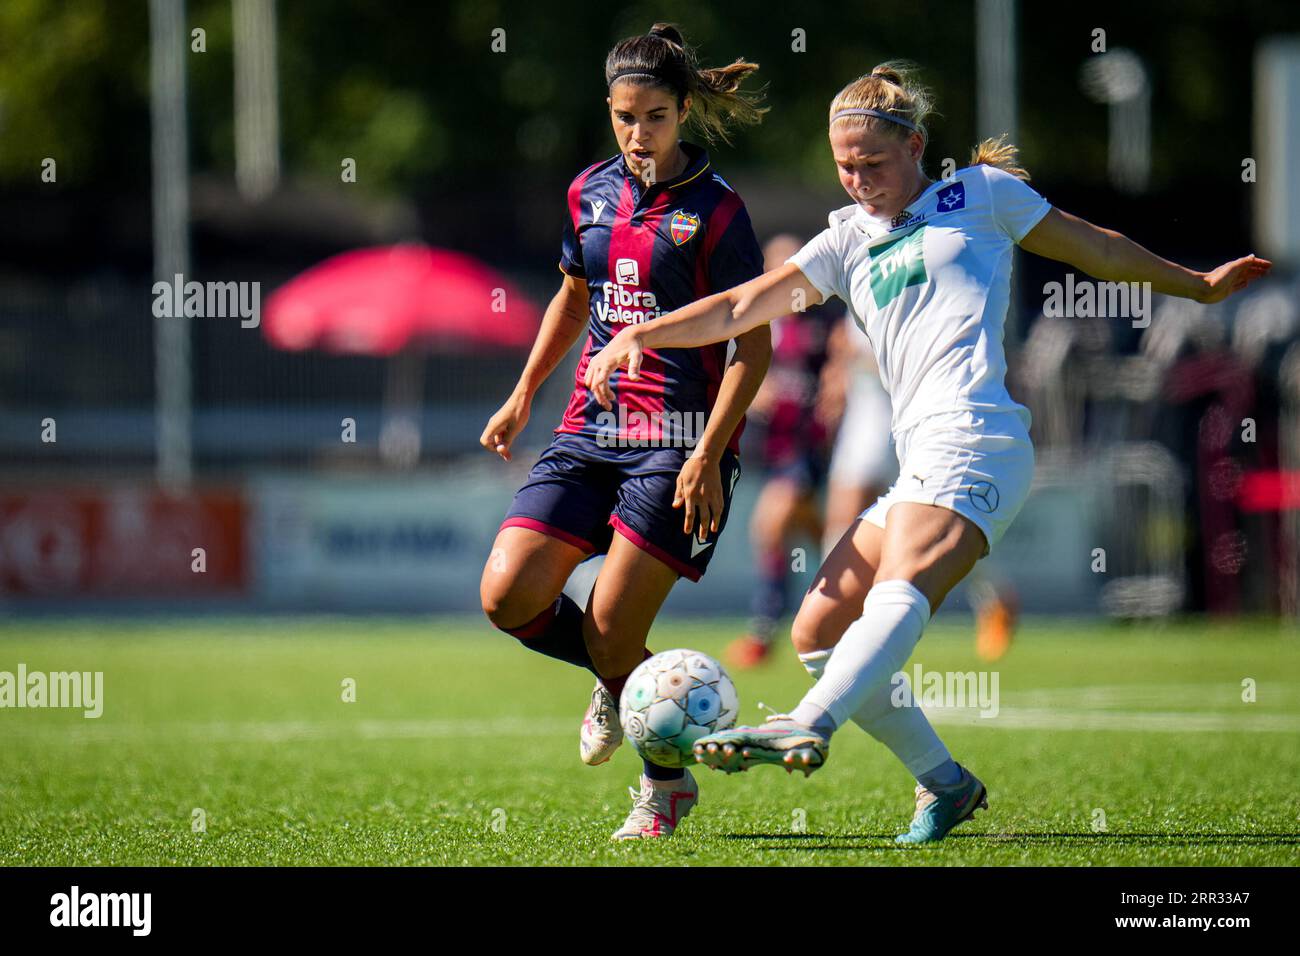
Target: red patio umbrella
[[381, 300], [400, 301]]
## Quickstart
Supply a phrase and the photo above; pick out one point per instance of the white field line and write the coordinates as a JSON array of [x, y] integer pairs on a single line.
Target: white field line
[[1224, 695], [1105, 707], [1055, 718], [1008, 717], [290, 730]]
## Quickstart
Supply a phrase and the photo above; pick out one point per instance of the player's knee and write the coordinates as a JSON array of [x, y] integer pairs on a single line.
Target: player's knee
[[518, 618], [899, 570], [807, 632], [493, 605], [504, 606]]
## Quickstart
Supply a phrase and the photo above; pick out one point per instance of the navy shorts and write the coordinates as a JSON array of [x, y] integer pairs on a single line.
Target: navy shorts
[[582, 493]]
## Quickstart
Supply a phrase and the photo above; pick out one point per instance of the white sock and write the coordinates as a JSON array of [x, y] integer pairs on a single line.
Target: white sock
[[904, 730], [874, 648]]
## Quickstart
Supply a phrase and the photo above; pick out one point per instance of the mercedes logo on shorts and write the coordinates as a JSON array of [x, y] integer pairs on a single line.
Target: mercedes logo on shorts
[[984, 496]]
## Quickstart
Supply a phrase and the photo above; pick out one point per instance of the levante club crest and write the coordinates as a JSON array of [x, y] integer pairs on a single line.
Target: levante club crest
[[683, 226]]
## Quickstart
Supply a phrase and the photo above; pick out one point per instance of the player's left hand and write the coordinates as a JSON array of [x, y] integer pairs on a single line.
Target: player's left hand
[[1233, 277], [623, 349], [699, 495]]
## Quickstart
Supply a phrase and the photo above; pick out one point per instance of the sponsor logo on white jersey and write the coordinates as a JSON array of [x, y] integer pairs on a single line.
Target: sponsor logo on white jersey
[[906, 218], [952, 198]]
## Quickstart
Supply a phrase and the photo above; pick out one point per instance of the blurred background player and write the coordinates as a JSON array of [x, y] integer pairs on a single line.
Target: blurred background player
[[863, 464], [792, 442], [650, 229]]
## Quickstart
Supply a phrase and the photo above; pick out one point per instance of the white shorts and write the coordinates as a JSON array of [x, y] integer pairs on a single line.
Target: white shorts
[[977, 464], [864, 451]]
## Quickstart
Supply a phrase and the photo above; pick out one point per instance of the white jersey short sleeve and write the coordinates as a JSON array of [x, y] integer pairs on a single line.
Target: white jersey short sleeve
[[930, 288], [1017, 208], [822, 260]]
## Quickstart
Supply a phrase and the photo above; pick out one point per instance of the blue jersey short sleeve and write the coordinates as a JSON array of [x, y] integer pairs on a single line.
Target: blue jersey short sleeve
[[737, 257], [571, 252]]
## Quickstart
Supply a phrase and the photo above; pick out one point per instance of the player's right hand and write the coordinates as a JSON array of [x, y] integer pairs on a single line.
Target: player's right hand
[[623, 349], [504, 427], [1233, 277]]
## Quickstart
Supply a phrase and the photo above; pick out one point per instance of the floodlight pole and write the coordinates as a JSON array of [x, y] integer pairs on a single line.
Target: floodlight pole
[[257, 111], [997, 105], [171, 247]]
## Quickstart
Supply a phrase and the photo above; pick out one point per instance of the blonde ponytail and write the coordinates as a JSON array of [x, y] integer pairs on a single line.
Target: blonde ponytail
[[1000, 155]]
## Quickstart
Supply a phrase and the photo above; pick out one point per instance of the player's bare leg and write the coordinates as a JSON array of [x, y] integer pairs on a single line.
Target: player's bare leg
[[522, 594], [924, 552], [630, 590], [832, 603], [628, 593], [522, 579], [844, 504], [929, 548]]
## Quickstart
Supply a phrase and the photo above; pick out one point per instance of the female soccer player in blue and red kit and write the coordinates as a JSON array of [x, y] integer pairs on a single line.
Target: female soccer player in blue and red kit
[[649, 483]]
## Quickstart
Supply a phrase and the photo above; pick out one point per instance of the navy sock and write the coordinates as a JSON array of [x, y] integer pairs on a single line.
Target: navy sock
[[656, 772], [557, 633]]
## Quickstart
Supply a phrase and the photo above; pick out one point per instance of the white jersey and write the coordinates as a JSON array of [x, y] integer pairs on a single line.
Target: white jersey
[[930, 288]]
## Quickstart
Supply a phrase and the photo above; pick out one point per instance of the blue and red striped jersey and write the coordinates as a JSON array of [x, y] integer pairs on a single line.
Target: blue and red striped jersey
[[644, 252]]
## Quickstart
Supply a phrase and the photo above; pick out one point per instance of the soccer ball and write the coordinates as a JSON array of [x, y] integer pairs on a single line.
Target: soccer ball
[[672, 700]]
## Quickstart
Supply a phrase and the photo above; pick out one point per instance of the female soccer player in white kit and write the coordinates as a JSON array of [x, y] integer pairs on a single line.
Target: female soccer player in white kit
[[925, 268]]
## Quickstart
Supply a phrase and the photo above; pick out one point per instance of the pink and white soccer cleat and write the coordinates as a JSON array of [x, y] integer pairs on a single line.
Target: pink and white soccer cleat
[[601, 731], [658, 808]]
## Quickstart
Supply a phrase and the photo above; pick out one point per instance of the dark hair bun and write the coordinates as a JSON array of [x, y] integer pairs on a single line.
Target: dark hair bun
[[668, 32]]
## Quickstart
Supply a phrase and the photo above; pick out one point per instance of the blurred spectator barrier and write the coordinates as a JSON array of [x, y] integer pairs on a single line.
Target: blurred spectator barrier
[[1099, 532], [121, 540], [381, 541]]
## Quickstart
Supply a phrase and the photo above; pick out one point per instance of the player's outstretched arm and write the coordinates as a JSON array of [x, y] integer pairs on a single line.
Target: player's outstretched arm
[[562, 324], [714, 318], [1113, 257]]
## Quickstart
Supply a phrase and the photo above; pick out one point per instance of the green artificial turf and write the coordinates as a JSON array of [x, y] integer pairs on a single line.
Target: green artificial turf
[[461, 749]]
